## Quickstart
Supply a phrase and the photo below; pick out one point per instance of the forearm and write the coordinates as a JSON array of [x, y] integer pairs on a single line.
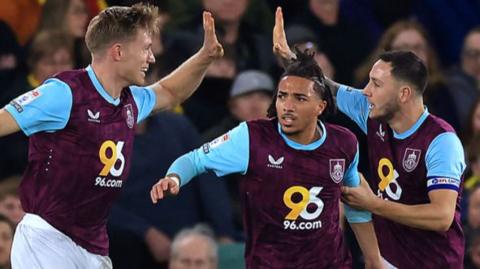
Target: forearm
[[186, 167], [333, 86], [434, 217], [7, 124], [184, 80], [367, 240]]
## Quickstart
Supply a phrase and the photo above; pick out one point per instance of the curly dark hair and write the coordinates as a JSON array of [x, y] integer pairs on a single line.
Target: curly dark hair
[[306, 67]]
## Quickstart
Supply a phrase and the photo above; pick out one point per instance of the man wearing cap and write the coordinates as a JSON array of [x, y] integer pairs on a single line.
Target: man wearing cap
[[250, 97]]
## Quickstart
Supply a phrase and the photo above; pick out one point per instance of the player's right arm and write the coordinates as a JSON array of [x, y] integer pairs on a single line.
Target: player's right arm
[[46, 108], [225, 155], [350, 101], [8, 125]]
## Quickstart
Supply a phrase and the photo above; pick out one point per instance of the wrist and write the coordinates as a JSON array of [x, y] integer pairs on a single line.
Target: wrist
[[175, 178], [204, 57], [375, 205]]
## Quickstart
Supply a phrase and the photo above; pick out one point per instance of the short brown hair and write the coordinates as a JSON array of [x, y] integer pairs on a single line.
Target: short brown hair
[[119, 24], [46, 43]]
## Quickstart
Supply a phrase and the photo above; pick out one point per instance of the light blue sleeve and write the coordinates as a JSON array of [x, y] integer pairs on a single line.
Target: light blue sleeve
[[145, 98], [354, 104], [46, 108], [445, 161], [226, 154], [352, 179]]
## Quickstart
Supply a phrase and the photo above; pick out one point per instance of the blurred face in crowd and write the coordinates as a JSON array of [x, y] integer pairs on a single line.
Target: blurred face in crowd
[[193, 252], [471, 55], [475, 253], [77, 18], [11, 207], [411, 40], [136, 57], [382, 92], [474, 209], [298, 106], [325, 10], [6, 238], [49, 65], [251, 106], [226, 10], [476, 119]]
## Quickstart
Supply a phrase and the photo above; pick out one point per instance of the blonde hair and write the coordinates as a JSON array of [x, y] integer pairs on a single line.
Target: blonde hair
[[385, 44], [120, 24]]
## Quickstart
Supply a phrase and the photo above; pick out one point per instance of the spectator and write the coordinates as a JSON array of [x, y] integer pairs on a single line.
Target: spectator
[[473, 155], [472, 127], [194, 248], [472, 257], [464, 80], [6, 238], [10, 205], [472, 227], [250, 97], [70, 17]]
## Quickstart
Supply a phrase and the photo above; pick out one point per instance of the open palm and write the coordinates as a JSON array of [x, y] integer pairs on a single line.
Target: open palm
[[211, 45], [280, 45]]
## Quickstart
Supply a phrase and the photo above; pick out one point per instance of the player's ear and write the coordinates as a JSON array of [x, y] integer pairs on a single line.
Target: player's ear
[[322, 105], [406, 93], [116, 51]]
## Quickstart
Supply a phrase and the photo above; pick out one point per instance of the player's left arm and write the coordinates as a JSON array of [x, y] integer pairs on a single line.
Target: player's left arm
[[445, 165], [367, 240], [183, 81], [361, 221]]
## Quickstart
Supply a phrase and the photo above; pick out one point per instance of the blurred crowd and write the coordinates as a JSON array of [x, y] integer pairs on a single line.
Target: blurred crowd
[[40, 38]]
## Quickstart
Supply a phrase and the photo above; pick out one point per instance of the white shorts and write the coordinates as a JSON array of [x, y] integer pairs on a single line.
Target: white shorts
[[388, 265], [37, 244]]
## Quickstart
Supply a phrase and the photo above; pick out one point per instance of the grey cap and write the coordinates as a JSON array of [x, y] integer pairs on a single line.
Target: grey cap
[[250, 81], [298, 34]]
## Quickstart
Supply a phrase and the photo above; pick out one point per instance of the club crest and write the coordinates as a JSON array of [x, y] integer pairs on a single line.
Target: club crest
[[130, 119], [337, 169], [411, 159]]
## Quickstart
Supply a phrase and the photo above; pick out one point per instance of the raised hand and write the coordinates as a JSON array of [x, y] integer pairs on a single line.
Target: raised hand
[[280, 45], [163, 187], [211, 46]]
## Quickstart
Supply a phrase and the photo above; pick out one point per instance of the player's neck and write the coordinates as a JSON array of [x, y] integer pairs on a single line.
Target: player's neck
[[308, 136], [112, 84], [406, 117]]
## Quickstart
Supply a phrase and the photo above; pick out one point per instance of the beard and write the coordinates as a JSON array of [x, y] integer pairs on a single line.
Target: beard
[[388, 111]]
